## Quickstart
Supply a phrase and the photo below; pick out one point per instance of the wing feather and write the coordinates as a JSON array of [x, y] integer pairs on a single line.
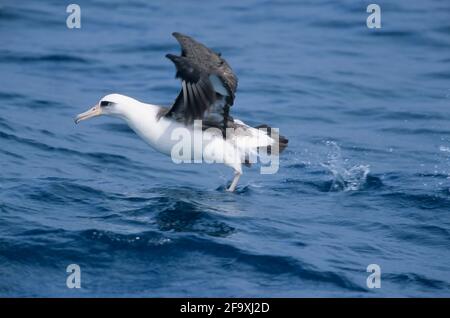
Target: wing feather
[[208, 84]]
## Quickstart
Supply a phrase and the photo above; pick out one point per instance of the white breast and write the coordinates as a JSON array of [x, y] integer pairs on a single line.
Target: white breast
[[167, 136]]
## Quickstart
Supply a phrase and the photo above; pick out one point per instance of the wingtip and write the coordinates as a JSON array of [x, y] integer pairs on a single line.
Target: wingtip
[[176, 34], [179, 36], [171, 57]]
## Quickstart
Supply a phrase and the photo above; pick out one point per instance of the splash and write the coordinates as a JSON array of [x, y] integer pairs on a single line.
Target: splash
[[346, 177], [444, 149]]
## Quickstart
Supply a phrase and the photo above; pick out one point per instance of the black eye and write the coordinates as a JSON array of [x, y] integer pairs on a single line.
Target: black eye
[[105, 103]]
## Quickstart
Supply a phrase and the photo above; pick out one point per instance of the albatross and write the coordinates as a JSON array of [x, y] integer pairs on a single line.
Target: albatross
[[208, 87]]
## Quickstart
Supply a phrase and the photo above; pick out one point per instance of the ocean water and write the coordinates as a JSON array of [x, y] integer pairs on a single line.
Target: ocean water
[[365, 179]]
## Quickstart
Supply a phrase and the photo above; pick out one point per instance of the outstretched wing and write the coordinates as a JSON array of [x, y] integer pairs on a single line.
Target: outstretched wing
[[208, 85]]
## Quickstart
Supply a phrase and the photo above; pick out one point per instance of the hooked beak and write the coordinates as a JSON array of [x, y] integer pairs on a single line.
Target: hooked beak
[[94, 111]]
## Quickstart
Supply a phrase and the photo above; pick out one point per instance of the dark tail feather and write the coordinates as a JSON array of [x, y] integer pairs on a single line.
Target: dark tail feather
[[282, 141]]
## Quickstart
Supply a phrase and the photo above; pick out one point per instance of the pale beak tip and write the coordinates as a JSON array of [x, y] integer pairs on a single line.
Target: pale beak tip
[[94, 111]]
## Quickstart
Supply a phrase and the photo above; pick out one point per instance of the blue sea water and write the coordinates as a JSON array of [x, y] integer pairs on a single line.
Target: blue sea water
[[365, 179]]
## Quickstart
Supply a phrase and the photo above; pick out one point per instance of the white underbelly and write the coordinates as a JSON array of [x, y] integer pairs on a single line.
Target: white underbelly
[[183, 144]]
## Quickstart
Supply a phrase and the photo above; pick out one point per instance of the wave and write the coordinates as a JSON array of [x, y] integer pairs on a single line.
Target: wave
[[99, 157], [420, 200], [16, 57], [417, 280], [268, 264]]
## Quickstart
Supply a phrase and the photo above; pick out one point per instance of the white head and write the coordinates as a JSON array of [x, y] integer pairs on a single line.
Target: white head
[[112, 105]]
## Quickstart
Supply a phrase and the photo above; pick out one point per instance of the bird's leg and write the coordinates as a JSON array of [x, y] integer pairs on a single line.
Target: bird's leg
[[234, 183]]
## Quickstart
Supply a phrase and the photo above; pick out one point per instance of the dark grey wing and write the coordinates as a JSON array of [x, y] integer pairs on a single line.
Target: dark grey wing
[[208, 61], [208, 85]]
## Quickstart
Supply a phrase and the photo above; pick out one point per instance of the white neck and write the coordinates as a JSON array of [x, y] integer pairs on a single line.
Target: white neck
[[143, 119]]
